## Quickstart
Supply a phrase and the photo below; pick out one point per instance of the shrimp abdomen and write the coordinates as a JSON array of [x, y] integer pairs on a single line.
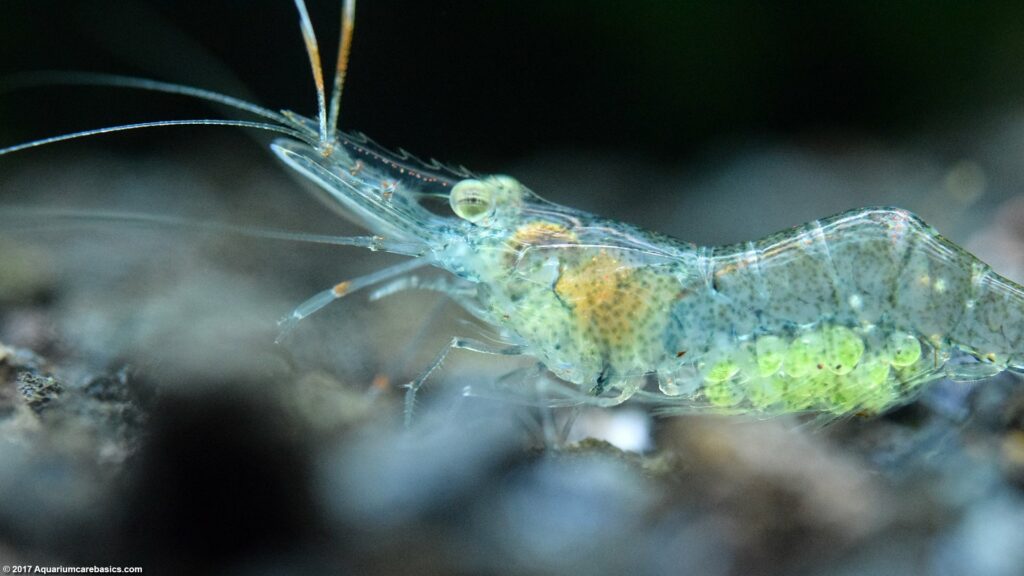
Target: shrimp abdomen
[[851, 313], [927, 285]]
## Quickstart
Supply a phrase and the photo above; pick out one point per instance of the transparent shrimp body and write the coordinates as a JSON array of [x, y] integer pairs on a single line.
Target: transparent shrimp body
[[849, 314]]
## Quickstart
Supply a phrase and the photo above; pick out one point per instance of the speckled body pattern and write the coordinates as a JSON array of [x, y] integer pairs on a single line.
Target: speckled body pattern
[[850, 314]]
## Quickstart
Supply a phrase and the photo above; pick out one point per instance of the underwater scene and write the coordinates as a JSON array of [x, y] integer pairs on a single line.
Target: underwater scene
[[692, 288]]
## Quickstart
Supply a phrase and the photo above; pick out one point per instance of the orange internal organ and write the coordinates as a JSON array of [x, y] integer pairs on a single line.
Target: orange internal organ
[[542, 233], [612, 301]]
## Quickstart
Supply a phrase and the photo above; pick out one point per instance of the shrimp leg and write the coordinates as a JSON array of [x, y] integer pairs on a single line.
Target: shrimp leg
[[341, 289], [543, 423], [456, 290], [455, 344], [460, 292]]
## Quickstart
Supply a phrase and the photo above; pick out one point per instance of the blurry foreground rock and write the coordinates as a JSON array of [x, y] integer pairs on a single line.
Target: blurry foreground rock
[[312, 476], [65, 439]]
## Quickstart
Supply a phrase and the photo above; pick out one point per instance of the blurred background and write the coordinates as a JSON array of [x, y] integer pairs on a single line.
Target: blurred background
[[148, 418]]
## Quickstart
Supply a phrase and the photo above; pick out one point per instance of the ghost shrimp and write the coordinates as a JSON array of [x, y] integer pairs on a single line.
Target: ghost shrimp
[[850, 314]]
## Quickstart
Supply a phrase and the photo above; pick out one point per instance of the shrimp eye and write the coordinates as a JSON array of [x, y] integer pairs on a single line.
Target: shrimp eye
[[472, 200]]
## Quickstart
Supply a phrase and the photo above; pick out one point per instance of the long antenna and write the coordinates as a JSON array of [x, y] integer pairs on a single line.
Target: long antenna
[[318, 74], [162, 123], [57, 78], [348, 26]]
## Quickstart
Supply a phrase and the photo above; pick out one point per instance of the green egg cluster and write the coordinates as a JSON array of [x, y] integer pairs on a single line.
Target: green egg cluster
[[843, 349], [831, 368], [723, 394], [904, 349], [771, 353]]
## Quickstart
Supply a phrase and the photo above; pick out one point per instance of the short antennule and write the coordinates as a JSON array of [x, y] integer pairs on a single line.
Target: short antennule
[[313, 50], [348, 26]]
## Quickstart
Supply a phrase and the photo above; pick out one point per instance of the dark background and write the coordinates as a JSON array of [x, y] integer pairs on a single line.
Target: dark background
[[486, 83]]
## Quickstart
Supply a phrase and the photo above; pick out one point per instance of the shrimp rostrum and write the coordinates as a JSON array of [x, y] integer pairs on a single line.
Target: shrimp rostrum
[[850, 314]]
